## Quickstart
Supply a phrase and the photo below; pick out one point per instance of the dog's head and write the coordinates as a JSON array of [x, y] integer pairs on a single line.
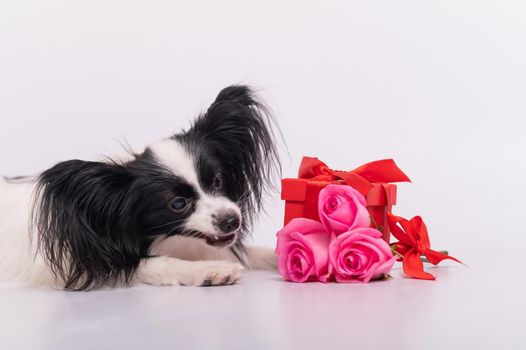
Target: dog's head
[[96, 219], [207, 182]]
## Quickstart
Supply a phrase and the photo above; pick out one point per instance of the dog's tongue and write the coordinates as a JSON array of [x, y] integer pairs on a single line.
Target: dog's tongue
[[221, 240]]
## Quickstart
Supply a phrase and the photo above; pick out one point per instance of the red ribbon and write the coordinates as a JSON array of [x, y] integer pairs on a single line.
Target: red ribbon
[[361, 178], [413, 242]]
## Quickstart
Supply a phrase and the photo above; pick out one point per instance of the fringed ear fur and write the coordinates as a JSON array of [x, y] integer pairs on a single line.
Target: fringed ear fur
[[239, 130], [81, 214]]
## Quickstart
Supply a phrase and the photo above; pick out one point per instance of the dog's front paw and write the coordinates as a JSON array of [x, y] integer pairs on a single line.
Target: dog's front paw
[[214, 273], [165, 271]]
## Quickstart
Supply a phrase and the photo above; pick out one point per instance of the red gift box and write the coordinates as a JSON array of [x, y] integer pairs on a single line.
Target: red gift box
[[373, 180]]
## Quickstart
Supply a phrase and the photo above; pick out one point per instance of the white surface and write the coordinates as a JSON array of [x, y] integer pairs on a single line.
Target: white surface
[[265, 313], [439, 86]]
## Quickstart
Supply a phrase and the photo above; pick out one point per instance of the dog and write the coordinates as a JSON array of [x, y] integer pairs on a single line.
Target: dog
[[176, 213]]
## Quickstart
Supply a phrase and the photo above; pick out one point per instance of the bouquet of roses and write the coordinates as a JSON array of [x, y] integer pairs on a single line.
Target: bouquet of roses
[[342, 245]]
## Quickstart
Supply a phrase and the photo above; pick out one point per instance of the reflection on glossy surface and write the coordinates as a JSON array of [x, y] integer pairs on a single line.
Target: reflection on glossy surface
[[463, 308]]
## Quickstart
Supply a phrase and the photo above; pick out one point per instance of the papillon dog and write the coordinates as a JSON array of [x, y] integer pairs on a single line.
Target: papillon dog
[[173, 214]]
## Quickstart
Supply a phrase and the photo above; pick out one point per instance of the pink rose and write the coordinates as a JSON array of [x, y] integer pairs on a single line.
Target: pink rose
[[342, 208], [360, 255], [303, 251]]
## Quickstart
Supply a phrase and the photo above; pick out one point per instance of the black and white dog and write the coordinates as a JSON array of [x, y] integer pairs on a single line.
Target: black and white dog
[[174, 214]]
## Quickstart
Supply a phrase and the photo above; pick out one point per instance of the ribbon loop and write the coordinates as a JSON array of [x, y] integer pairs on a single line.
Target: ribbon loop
[[384, 170], [413, 242], [361, 178]]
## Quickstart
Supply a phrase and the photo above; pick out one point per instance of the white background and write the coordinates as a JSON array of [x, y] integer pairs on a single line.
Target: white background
[[439, 86]]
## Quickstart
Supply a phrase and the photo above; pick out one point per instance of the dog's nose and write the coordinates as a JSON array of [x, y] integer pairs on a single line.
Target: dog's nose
[[229, 223]]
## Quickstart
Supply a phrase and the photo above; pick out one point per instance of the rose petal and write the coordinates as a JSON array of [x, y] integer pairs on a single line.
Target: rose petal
[[369, 231], [299, 266], [385, 268], [295, 250], [369, 273], [317, 243], [360, 255], [302, 251], [342, 208], [362, 218]]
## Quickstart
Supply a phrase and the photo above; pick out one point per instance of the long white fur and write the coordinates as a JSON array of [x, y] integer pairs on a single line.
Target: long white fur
[[19, 260], [182, 260]]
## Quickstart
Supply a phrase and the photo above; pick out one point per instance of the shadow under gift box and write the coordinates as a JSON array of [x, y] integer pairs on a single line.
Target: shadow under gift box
[[301, 201]]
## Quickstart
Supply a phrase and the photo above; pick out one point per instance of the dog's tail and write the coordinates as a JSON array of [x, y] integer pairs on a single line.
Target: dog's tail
[[17, 179]]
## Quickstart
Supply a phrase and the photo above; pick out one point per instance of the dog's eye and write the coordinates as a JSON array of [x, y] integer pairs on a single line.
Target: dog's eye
[[218, 182], [178, 204]]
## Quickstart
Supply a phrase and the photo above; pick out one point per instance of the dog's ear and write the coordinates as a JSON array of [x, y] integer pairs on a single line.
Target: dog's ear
[[79, 214], [238, 129]]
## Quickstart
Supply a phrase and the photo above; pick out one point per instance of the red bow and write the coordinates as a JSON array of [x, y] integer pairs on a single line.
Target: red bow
[[380, 171], [413, 242]]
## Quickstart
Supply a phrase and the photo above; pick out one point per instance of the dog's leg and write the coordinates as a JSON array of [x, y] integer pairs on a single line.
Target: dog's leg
[[261, 258], [166, 271]]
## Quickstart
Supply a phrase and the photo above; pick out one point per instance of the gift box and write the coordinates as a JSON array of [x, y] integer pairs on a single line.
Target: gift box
[[373, 180]]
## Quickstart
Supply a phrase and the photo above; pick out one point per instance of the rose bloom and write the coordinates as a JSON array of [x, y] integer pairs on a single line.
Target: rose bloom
[[342, 208], [360, 255], [303, 251]]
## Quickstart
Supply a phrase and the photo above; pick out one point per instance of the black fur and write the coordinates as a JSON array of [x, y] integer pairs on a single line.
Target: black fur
[[84, 221], [96, 220], [236, 134]]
